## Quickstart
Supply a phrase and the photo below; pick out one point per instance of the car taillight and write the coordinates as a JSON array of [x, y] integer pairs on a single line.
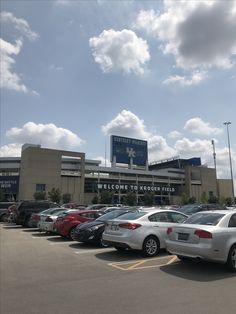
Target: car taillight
[[169, 230], [203, 234], [48, 219], [129, 225]]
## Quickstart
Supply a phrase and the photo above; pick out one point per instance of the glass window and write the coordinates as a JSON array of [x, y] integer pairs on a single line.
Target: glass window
[[40, 187], [232, 221], [160, 217], [211, 219], [176, 217], [132, 215]]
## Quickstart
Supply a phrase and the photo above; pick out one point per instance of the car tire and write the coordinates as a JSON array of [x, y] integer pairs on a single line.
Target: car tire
[[151, 246], [102, 244], [71, 233], [231, 261]]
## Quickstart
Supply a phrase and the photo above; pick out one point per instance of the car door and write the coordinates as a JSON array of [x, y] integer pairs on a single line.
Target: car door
[[160, 222]]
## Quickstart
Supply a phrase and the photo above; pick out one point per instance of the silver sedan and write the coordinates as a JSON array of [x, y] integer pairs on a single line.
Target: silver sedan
[[143, 230], [207, 235]]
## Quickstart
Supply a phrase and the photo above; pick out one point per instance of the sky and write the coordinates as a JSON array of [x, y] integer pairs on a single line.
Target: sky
[[75, 72]]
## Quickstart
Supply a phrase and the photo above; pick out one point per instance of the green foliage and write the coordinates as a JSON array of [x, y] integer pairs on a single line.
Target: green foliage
[[40, 196], [106, 197], [228, 201], [192, 200], [213, 199], [204, 199], [66, 198], [130, 199], [222, 200], [55, 195], [95, 200], [148, 199], [184, 199]]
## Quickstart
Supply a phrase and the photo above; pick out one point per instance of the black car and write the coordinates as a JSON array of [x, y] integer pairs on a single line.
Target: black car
[[91, 232], [190, 209], [26, 208]]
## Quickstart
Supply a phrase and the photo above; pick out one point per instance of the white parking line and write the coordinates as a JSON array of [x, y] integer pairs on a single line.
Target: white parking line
[[91, 251]]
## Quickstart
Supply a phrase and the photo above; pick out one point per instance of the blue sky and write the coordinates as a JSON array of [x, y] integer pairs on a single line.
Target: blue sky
[[75, 72]]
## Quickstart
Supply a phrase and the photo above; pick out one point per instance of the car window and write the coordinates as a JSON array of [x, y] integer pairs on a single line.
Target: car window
[[132, 215], [111, 215], [211, 219], [160, 217], [232, 221], [176, 217]]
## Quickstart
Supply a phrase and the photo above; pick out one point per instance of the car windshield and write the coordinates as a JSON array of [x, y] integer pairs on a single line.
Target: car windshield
[[211, 219], [111, 215], [132, 215], [189, 209]]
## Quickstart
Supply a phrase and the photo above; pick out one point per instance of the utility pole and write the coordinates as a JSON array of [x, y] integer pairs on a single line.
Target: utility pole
[[214, 158], [230, 160]]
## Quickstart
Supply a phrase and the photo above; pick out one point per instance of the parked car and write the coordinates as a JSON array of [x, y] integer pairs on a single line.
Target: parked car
[[143, 230], [72, 220], [47, 222], [190, 209], [36, 217], [4, 210], [207, 235], [26, 208], [91, 232]]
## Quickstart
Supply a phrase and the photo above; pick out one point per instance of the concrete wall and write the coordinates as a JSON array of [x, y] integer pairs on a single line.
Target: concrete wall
[[43, 166]]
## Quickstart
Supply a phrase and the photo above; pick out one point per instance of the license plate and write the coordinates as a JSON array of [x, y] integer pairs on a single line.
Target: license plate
[[183, 236], [114, 227]]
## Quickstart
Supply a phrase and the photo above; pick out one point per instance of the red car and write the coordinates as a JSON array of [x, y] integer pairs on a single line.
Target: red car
[[66, 224]]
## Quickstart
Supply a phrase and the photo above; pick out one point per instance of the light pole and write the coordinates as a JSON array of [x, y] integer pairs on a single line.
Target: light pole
[[230, 161], [214, 157]]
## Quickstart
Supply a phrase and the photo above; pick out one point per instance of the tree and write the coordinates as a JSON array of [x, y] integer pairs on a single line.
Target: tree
[[106, 197], [213, 199], [66, 198], [95, 200], [228, 201], [184, 199], [192, 200], [130, 199], [204, 199], [55, 195], [148, 199], [40, 195]]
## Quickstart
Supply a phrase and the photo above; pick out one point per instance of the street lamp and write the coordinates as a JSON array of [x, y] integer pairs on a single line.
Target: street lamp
[[214, 157], [230, 161]]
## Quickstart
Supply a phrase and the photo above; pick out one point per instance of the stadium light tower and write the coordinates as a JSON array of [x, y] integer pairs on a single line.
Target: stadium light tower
[[230, 161], [214, 157]]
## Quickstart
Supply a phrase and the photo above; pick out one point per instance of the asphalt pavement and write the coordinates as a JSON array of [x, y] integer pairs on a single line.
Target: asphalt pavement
[[47, 274]]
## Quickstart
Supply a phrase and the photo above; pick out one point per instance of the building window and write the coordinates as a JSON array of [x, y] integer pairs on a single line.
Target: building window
[[40, 187]]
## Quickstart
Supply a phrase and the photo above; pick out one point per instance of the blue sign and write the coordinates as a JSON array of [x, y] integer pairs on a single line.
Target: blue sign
[[9, 184], [127, 150]]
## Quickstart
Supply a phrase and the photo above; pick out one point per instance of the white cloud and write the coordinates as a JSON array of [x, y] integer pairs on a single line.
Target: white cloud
[[196, 78], [187, 147], [174, 135], [48, 135], [10, 79], [198, 126], [20, 24], [197, 33], [10, 150], [120, 51]]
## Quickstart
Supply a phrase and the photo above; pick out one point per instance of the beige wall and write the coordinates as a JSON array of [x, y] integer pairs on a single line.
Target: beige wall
[[43, 166], [225, 187]]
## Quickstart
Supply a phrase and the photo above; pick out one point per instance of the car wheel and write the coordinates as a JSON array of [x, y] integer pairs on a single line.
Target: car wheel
[[71, 233], [151, 246], [102, 244], [231, 262]]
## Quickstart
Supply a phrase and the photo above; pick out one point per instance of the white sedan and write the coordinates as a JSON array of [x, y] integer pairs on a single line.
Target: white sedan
[[207, 235], [143, 230]]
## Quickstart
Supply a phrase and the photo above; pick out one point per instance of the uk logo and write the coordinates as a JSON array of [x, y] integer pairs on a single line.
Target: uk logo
[[131, 152]]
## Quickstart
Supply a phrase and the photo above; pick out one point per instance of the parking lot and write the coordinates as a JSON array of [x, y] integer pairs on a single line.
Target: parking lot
[[41, 273]]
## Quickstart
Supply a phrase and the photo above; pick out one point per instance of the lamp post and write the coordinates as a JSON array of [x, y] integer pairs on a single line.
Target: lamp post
[[230, 161], [214, 157]]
